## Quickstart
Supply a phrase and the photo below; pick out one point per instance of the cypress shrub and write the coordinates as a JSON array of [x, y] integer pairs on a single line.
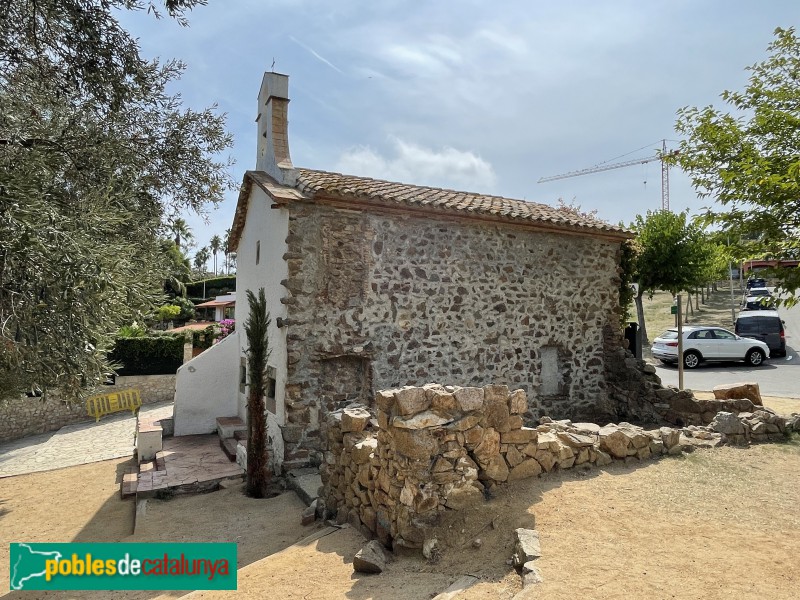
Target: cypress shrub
[[151, 355]]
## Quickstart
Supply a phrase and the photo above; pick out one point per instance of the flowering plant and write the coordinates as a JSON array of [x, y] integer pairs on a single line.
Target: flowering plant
[[226, 327]]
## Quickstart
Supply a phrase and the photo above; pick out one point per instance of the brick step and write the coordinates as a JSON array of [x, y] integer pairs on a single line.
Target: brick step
[[228, 446], [228, 426]]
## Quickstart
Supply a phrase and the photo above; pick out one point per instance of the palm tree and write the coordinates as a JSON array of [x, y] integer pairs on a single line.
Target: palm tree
[[200, 259], [181, 232], [215, 243], [226, 250]]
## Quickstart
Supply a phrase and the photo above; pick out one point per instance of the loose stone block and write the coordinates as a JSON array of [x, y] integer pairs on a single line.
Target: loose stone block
[[459, 498], [411, 400], [737, 391], [370, 559], [526, 546], [496, 394], [527, 468], [517, 402], [497, 468], [421, 420], [355, 419], [488, 448], [525, 435], [469, 398]]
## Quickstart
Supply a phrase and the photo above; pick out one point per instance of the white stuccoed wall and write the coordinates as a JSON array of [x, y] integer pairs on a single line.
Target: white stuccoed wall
[[270, 227], [207, 388]]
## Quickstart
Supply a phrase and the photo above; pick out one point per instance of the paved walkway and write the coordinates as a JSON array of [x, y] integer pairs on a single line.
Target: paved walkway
[[112, 437]]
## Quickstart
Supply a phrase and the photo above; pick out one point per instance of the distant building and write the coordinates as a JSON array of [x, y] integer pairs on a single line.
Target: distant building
[[224, 307]]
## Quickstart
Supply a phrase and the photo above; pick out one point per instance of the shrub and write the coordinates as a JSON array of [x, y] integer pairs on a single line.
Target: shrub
[[131, 331], [168, 312], [151, 355], [186, 306], [204, 338]]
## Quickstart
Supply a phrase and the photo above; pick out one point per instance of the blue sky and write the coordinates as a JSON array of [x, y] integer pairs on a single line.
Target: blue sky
[[482, 96]]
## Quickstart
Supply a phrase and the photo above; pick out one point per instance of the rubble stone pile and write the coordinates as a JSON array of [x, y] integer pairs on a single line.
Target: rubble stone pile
[[393, 469]]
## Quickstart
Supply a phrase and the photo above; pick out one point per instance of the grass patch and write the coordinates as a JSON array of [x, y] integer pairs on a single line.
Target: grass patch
[[790, 446]]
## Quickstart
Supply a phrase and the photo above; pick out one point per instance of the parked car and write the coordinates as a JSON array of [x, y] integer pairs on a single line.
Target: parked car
[[758, 291], [764, 325], [758, 303], [756, 282], [708, 344]]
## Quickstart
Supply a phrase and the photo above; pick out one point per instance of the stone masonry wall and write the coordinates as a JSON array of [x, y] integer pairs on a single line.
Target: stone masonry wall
[[20, 417], [394, 470], [376, 302]]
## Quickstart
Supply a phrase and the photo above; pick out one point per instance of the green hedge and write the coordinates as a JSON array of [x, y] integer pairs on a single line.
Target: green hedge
[[152, 355], [204, 338], [215, 286]]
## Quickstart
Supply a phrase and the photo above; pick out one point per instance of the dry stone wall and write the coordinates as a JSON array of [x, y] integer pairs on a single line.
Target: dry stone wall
[[395, 468], [20, 417], [376, 302]]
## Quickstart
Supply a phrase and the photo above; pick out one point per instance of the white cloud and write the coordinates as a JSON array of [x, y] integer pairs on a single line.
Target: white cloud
[[412, 163]]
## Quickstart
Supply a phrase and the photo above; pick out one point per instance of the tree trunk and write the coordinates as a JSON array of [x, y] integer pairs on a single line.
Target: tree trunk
[[696, 301], [703, 294], [640, 317], [688, 308], [257, 470]]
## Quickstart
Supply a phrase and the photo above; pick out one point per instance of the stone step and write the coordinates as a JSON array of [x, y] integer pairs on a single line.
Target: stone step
[[168, 426], [228, 426], [149, 465], [129, 484], [240, 435], [228, 446]]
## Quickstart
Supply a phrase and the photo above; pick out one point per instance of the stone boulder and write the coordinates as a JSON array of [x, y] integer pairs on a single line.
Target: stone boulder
[[739, 391], [370, 559], [526, 546], [614, 441], [727, 423]]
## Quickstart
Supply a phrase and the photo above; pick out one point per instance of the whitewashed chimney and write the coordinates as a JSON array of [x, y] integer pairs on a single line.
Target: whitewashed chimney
[[273, 127]]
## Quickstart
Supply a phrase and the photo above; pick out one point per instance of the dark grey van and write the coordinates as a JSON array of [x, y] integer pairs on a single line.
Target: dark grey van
[[764, 325]]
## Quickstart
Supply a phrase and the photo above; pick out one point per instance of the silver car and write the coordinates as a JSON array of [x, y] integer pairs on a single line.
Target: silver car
[[708, 344]]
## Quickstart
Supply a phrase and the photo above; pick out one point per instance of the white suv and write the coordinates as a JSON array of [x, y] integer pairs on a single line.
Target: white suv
[[708, 344]]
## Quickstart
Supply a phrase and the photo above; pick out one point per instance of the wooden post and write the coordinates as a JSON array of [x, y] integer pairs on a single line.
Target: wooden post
[[680, 346]]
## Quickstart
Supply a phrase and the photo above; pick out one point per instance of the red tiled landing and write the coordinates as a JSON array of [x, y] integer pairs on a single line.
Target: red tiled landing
[[191, 464]]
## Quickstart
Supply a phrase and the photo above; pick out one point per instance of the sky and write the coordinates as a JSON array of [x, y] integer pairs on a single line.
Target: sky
[[480, 96]]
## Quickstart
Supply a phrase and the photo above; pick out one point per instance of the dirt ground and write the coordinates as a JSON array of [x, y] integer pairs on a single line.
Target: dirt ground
[[715, 524]]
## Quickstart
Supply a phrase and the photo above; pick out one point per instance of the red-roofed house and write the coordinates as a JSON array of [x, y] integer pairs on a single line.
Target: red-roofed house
[[375, 284]]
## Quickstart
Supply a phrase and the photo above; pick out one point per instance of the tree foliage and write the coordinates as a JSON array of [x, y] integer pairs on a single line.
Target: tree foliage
[[747, 157], [672, 256], [95, 157], [256, 329]]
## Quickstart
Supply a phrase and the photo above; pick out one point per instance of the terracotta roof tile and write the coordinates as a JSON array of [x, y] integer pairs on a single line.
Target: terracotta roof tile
[[312, 182]]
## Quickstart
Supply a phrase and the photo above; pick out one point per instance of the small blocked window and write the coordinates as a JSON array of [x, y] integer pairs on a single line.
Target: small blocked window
[[258, 251], [271, 402]]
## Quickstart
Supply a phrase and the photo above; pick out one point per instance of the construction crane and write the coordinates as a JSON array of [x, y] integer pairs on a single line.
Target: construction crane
[[628, 163]]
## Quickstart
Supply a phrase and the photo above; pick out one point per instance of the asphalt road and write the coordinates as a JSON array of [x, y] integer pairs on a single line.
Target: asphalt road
[[776, 377]]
